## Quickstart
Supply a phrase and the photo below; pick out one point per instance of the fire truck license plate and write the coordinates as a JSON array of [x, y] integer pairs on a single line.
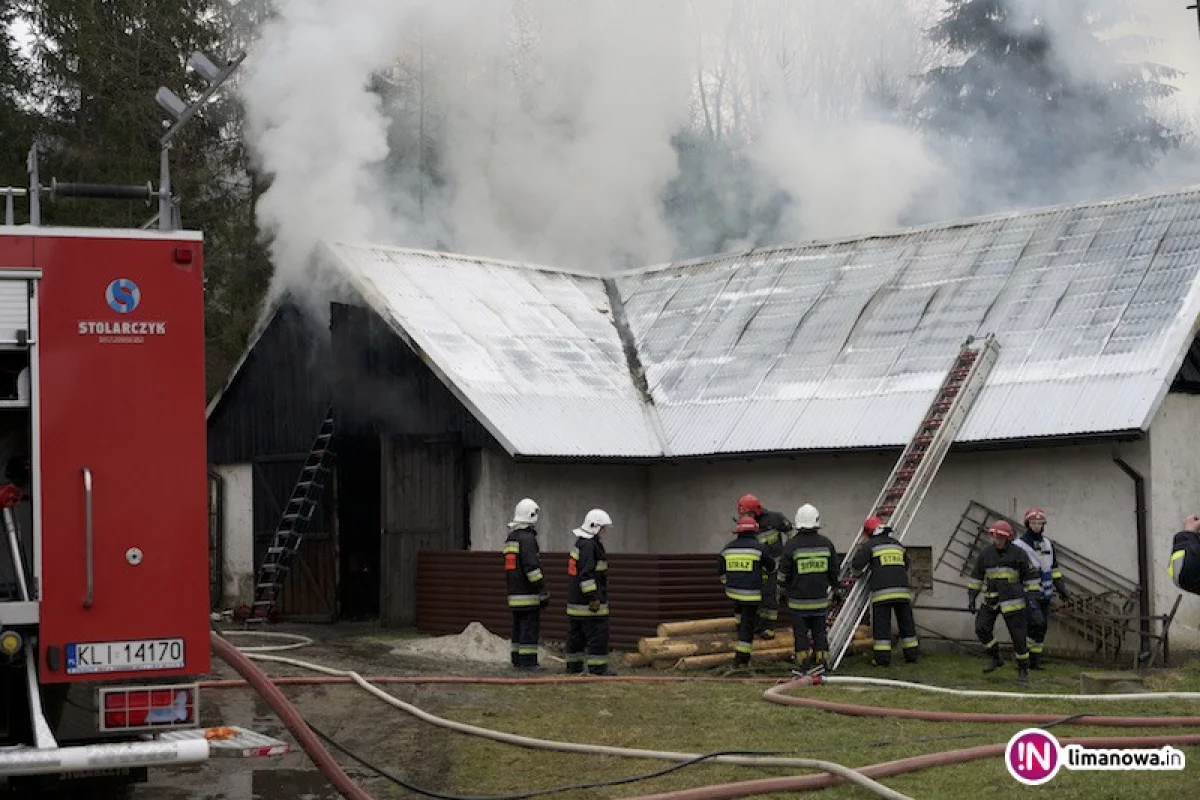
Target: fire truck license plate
[[140, 654]]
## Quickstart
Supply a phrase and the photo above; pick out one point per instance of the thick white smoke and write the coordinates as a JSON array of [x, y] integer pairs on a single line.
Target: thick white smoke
[[549, 130]]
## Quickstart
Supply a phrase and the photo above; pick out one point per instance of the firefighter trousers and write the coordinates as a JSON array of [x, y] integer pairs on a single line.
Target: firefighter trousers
[[985, 625], [881, 630], [587, 643], [768, 610], [1037, 633], [803, 624], [526, 629], [747, 617]]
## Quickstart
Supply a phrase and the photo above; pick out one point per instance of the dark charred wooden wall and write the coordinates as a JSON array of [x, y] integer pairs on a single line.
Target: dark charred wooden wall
[[268, 417], [277, 400], [381, 387], [424, 509]]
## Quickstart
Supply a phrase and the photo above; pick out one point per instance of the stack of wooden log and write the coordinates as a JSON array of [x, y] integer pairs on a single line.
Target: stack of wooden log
[[703, 643]]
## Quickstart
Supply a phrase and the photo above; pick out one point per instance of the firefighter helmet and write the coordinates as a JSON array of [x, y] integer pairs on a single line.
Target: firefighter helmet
[[749, 504], [525, 515], [746, 525], [1035, 515], [871, 524], [807, 517], [596, 521], [1002, 529]]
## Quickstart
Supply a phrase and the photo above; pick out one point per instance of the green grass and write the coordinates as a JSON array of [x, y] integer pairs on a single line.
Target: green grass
[[706, 716]]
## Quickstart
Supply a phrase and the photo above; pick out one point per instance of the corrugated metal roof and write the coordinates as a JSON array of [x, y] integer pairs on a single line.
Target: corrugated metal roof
[[531, 351], [843, 344], [828, 345]]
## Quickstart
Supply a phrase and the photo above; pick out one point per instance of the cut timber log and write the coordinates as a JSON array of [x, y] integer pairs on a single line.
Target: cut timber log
[[719, 659], [688, 627], [704, 644], [636, 660]]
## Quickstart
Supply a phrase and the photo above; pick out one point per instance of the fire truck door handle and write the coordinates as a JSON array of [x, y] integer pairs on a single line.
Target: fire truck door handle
[[87, 528]]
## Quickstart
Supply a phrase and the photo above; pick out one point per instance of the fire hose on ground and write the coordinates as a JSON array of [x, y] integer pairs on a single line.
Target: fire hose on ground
[[523, 741], [834, 774]]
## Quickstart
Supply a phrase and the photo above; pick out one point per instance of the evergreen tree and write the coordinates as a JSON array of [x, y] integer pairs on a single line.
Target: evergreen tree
[[1043, 107], [100, 64], [15, 117]]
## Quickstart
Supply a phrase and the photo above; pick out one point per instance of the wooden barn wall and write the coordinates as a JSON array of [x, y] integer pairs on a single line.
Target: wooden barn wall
[[279, 397], [311, 586], [423, 510]]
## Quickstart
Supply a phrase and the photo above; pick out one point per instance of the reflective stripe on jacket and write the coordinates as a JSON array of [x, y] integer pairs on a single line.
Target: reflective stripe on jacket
[[587, 578], [523, 569], [743, 565]]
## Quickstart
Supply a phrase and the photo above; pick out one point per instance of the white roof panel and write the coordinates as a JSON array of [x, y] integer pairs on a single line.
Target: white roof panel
[[532, 352], [827, 345]]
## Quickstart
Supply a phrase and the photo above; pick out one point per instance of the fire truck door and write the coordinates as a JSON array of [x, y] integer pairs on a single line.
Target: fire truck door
[[123, 460]]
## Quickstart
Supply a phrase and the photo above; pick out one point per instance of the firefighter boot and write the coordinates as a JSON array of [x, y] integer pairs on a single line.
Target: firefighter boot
[[804, 660], [1035, 660], [993, 662], [819, 663], [1023, 673]]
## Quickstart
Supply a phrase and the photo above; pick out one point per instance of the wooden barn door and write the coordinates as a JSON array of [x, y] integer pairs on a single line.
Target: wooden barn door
[[424, 504], [310, 589]]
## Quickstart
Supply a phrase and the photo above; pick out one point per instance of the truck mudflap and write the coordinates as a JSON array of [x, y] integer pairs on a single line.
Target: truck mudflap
[[24, 760]]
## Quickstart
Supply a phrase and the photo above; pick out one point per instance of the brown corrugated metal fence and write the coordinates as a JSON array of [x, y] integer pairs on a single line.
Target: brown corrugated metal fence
[[457, 588]]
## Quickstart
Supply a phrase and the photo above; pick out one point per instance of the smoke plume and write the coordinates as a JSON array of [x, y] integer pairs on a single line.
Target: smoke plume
[[602, 135]]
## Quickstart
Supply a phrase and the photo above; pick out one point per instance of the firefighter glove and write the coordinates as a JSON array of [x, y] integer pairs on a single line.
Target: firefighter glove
[[545, 598], [594, 605], [1062, 592], [971, 604]]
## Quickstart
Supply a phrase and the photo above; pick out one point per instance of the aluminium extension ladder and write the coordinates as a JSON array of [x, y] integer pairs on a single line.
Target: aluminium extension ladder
[[912, 476], [298, 512]]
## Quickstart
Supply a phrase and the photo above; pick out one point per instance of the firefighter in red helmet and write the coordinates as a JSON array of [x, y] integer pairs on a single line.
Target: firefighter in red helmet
[[773, 528], [1041, 552], [888, 582], [1010, 585], [743, 566]]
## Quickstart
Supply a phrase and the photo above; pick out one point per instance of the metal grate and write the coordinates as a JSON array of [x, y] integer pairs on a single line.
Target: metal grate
[[1102, 610]]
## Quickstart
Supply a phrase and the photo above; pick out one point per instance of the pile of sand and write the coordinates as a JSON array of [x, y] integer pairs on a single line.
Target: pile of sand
[[475, 643]]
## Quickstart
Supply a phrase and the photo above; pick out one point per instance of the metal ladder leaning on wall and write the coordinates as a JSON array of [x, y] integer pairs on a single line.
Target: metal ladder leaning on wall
[[298, 512], [913, 474]]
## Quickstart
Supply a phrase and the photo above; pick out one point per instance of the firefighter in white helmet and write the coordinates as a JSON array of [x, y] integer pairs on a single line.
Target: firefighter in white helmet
[[587, 597], [527, 592], [808, 569]]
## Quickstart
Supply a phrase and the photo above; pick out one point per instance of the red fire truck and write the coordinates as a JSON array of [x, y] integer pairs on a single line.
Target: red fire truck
[[104, 596]]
